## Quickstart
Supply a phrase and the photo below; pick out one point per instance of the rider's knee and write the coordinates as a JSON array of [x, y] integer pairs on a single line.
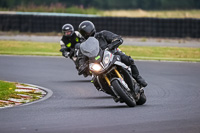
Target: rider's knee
[[127, 60]]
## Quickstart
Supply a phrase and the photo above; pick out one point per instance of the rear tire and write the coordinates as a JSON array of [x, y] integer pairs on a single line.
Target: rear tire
[[123, 93]]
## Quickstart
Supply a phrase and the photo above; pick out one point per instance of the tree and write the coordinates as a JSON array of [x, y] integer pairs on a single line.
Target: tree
[[111, 4]]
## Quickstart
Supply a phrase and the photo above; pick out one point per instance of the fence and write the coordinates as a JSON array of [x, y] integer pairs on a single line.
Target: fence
[[139, 27]]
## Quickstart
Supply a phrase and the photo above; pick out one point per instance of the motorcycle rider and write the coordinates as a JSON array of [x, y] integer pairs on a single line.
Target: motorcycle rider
[[70, 43], [69, 40], [108, 39]]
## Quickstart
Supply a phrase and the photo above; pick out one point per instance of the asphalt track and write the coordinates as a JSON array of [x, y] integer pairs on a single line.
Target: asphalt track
[[173, 104]]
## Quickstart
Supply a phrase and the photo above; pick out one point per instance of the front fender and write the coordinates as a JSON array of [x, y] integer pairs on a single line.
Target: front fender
[[122, 83], [119, 63]]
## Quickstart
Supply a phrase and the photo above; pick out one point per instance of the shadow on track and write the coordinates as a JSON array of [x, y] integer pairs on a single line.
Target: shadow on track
[[74, 81], [79, 81], [102, 97], [98, 107], [102, 107]]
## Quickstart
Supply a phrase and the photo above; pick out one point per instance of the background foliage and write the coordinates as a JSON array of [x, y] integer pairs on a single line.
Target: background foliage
[[107, 4]]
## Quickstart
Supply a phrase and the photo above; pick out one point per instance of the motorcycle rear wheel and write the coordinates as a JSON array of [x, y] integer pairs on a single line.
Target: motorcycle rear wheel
[[123, 93]]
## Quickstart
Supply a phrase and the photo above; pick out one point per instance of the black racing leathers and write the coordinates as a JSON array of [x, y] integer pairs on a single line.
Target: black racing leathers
[[110, 40], [68, 43]]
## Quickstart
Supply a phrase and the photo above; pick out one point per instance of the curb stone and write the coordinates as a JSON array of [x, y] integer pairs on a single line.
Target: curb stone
[[27, 99]]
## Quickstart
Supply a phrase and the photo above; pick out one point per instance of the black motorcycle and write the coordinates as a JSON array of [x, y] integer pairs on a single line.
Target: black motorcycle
[[110, 75]]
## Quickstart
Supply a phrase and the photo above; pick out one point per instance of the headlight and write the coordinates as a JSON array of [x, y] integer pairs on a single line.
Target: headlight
[[96, 67], [106, 59]]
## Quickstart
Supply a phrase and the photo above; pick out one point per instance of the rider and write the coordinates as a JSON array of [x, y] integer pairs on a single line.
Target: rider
[[70, 44], [69, 40], [106, 40]]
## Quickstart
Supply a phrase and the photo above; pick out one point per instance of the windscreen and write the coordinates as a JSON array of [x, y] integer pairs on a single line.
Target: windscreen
[[90, 47]]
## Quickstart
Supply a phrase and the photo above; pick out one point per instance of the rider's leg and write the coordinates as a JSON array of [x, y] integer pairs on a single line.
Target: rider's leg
[[127, 60]]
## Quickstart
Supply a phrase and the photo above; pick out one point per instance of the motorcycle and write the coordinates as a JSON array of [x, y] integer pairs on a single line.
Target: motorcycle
[[110, 75], [75, 57]]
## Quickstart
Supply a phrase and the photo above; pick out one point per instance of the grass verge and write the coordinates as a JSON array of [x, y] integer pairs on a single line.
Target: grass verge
[[6, 90], [163, 53], [137, 52], [193, 13], [154, 14], [29, 48], [9, 91]]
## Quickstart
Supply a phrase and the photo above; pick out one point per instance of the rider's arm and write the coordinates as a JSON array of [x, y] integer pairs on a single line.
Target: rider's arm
[[81, 38], [112, 39], [62, 44], [64, 49]]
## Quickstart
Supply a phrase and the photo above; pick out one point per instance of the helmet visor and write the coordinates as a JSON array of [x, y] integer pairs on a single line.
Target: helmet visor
[[67, 33], [86, 35]]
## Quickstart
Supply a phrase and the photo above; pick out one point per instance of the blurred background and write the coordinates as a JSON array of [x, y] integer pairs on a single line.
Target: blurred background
[[76, 5], [139, 18]]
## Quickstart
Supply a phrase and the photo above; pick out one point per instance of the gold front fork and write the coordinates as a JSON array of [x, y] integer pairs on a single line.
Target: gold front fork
[[118, 74], [107, 80]]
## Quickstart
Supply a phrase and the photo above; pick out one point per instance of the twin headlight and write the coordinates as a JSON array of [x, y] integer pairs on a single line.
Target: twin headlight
[[96, 67]]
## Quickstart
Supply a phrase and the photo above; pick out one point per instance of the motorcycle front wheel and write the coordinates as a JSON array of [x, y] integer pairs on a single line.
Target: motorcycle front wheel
[[123, 93]]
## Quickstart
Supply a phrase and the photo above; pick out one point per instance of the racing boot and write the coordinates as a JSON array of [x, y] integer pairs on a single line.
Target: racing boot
[[137, 77], [141, 81]]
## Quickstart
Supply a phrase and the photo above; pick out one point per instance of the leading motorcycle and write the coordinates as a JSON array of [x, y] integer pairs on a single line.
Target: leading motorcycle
[[110, 75]]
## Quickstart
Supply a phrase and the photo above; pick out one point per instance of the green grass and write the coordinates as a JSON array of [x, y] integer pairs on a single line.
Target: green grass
[[163, 53], [59, 8], [155, 14], [54, 8], [6, 90], [137, 52], [29, 48]]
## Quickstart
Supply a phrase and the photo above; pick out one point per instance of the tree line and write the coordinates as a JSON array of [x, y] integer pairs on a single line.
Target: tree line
[[109, 4]]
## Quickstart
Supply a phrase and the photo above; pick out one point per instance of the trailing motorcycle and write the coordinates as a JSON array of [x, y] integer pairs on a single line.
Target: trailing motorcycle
[[75, 57], [110, 75]]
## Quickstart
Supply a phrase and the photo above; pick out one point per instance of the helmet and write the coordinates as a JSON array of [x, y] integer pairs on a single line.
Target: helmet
[[68, 30], [87, 29]]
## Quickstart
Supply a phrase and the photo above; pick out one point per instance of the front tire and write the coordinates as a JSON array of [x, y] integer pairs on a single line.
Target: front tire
[[123, 93]]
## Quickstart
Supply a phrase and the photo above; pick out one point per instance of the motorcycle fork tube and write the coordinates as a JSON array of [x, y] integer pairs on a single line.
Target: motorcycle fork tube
[[118, 74], [107, 80]]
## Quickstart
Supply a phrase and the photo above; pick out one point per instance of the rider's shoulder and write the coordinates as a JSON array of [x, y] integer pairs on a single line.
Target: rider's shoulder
[[101, 33], [105, 31], [78, 34]]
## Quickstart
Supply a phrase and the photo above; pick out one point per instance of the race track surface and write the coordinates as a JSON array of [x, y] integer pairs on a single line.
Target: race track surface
[[173, 104]]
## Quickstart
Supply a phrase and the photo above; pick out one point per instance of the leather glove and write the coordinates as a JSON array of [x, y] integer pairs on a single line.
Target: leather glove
[[115, 44], [65, 54], [63, 49], [110, 46]]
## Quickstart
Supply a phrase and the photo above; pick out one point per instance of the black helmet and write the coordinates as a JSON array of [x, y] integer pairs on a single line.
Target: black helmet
[[87, 29], [68, 30]]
